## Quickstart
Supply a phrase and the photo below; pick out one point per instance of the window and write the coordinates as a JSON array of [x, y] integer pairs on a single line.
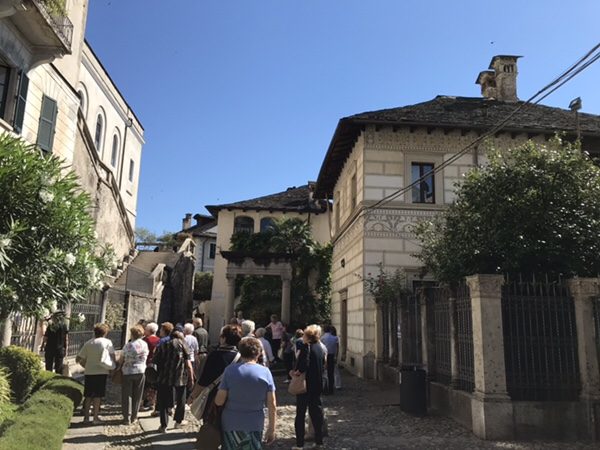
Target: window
[[243, 224], [424, 191], [21, 102], [114, 154], [47, 124], [212, 250], [99, 132], [4, 81], [337, 206], [353, 191], [82, 101], [131, 169], [266, 224]]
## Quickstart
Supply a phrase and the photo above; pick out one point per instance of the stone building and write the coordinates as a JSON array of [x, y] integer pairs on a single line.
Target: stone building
[[374, 154], [55, 93], [254, 216]]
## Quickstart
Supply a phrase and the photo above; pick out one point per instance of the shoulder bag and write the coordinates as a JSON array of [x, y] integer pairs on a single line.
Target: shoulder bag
[[199, 403], [297, 384], [209, 435], [106, 361]]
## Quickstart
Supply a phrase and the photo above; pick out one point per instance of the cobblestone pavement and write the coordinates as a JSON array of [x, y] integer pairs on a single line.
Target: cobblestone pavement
[[364, 415]]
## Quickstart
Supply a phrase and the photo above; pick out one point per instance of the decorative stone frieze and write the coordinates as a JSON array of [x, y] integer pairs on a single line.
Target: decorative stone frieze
[[395, 223]]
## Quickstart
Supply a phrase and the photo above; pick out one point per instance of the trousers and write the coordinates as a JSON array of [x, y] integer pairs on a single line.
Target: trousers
[[331, 373], [166, 396], [132, 389], [312, 402], [54, 358]]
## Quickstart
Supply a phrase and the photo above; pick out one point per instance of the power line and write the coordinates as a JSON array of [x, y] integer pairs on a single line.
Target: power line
[[572, 71]]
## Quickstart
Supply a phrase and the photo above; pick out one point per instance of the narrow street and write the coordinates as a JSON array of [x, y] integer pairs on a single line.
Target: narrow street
[[364, 415]]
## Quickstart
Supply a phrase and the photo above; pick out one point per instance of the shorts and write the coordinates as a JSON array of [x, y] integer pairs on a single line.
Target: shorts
[[95, 386]]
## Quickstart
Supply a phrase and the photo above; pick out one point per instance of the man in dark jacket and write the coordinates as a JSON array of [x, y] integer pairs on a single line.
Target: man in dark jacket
[[55, 342]]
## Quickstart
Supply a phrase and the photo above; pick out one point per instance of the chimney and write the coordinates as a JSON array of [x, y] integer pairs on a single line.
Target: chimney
[[187, 221], [500, 82]]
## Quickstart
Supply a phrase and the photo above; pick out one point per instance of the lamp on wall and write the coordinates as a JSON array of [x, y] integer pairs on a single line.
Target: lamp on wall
[[343, 262]]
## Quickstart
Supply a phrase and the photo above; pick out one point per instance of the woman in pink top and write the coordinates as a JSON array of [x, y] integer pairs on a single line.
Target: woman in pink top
[[277, 330]]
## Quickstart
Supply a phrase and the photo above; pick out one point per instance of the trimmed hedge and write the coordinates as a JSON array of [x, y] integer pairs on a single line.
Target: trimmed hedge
[[43, 377], [23, 366], [41, 424]]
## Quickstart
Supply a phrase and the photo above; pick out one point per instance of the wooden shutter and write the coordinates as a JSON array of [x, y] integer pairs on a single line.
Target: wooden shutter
[[21, 102], [47, 124]]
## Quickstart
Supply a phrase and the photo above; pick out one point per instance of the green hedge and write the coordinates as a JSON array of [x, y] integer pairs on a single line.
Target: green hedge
[[43, 377], [23, 367], [42, 421]]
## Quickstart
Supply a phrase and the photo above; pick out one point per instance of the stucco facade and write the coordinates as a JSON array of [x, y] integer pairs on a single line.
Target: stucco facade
[[52, 78], [226, 220], [368, 171]]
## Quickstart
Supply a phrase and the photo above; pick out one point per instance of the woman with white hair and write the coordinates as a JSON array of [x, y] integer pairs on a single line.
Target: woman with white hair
[[248, 327], [151, 339], [260, 335]]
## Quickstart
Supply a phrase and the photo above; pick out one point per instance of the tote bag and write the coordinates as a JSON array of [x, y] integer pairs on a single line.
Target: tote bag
[[199, 404], [297, 385], [106, 361]]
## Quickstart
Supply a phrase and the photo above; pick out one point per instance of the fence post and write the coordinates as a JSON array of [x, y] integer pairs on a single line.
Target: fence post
[[491, 407], [6, 331], [584, 291], [422, 298]]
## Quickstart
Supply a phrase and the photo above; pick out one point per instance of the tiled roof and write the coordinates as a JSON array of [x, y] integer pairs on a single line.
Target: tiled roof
[[294, 199], [474, 113]]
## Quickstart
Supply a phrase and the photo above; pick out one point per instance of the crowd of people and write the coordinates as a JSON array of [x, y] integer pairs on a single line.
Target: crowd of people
[[229, 386]]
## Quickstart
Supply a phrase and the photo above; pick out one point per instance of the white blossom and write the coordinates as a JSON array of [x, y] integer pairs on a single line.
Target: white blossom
[[46, 196], [80, 317], [70, 259], [5, 242], [53, 306]]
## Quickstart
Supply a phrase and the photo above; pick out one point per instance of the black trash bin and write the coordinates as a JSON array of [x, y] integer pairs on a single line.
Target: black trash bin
[[413, 391]]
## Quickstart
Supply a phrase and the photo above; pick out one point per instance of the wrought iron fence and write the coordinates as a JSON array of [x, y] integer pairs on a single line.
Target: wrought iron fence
[[439, 354], [540, 340], [597, 324], [82, 331], [463, 326], [410, 330]]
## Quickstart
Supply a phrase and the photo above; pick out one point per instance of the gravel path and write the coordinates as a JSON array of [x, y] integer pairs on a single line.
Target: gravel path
[[364, 415]]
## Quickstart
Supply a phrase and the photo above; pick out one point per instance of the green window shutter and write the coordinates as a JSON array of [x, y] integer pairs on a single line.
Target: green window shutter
[[47, 124], [21, 102]]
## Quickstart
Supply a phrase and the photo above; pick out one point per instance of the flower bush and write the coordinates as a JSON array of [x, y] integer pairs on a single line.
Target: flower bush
[[49, 253]]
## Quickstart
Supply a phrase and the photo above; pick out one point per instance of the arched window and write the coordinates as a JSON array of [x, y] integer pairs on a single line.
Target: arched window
[[266, 224], [82, 101], [99, 133], [243, 224], [114, 154]]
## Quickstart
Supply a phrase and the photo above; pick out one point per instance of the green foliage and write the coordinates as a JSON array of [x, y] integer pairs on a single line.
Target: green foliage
[[311, 281], [23, 367], [65, 386], [40, 424], [203, 285], [42, 378], [49, 253], [534, 208], [5, 392], [56, 7], [386, 287]]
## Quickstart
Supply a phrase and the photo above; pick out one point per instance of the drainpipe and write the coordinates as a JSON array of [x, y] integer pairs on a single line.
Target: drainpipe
[[128, 125], [202, 254]]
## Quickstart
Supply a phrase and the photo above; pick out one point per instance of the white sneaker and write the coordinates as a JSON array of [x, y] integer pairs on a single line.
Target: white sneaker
[[181, 424], [162, 429]]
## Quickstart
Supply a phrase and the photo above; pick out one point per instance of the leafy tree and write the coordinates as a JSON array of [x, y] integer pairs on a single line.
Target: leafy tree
[[49, 253], [311, 280], [534, 208], [144, 235], [203, 285]]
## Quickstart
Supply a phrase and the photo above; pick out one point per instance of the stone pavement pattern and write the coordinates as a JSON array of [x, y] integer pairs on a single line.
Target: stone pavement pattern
[[364, 415]]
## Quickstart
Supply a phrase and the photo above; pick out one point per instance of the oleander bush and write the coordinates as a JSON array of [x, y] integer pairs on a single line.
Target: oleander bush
[[23, 368], [42, 421]]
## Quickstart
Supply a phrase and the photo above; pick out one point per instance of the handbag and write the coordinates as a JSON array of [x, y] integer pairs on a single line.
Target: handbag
[[106, 360], [297, 384], [209, 435], [199, 404]]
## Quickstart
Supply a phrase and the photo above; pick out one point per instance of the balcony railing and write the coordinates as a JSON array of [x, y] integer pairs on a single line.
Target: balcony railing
[[56, 16]]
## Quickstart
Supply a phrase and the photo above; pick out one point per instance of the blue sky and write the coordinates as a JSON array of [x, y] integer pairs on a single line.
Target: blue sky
[[240, 98]]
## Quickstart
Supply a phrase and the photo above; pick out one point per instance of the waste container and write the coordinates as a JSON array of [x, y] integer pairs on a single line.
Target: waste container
[[413, 391]]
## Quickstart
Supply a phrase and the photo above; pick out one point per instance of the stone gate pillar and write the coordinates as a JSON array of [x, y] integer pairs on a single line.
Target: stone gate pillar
[[584, 292], [230, 299], [286, 305], [491, 408]]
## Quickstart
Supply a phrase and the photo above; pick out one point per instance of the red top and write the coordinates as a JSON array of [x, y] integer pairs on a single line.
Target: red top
[[152, 342]]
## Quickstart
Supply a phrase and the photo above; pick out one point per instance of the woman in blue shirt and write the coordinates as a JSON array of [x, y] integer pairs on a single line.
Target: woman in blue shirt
[[244, 390]]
